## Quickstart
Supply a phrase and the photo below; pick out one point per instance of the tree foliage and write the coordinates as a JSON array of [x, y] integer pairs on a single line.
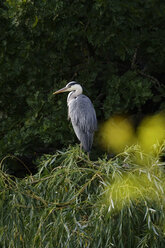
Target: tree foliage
[[115, 49]]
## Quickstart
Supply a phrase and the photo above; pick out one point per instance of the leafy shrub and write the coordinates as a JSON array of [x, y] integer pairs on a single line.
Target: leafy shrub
[[73, 202]]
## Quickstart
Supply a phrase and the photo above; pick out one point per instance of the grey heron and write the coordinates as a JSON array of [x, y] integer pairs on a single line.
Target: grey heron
[[81, 113]]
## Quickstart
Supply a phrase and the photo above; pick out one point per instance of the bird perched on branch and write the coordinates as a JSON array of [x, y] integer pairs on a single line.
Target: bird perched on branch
[[81, 113]]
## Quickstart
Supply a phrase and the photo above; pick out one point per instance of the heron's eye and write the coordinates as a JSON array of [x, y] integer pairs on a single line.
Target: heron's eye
[[71, 85]]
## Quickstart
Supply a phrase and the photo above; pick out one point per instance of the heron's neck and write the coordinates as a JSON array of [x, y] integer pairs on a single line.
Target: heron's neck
[[74, 94]]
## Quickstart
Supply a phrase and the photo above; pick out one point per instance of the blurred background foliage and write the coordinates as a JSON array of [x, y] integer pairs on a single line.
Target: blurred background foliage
[[115, 49], [118, 132]]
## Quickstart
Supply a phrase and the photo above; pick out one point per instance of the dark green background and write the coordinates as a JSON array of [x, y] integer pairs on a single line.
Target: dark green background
[[115, 49]]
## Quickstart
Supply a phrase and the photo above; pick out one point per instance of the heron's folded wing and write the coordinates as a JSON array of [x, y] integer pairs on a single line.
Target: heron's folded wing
[[82, 114]]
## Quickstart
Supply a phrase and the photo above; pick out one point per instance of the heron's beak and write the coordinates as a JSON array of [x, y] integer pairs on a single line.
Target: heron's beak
[[60, 91]]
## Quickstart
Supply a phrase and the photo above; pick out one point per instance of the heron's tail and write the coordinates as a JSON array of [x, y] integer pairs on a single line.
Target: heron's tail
[[87, 141], [86, 138]]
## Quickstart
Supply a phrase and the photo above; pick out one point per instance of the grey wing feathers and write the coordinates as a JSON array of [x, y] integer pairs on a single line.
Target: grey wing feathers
[[83, 118], [86, 138], [82, 113]]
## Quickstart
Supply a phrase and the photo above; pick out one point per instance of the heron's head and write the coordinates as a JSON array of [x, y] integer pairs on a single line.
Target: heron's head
[[72, 86]]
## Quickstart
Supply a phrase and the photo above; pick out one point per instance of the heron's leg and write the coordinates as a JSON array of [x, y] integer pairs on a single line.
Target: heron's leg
[[88, 153], [80, 149]]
